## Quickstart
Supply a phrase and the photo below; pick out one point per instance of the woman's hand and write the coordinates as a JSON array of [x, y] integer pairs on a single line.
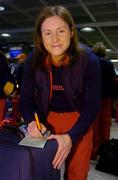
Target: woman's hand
[[64, 147], [33, 131]]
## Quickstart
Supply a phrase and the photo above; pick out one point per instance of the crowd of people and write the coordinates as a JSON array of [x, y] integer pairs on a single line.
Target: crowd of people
[[10, 81], [69, 85], [6, 83]]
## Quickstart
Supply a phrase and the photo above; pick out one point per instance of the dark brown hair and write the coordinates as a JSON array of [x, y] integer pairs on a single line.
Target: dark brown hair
[[99, 49], [40, 52]]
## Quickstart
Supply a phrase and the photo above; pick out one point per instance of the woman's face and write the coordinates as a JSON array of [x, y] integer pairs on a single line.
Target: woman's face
[[56, 36]]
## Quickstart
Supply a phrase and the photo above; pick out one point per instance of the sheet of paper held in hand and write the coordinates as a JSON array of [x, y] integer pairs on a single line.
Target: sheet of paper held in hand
[[33, 142]]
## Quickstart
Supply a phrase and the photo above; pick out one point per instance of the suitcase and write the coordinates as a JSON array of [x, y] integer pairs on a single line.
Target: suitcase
[[25, 163], [15, 162]]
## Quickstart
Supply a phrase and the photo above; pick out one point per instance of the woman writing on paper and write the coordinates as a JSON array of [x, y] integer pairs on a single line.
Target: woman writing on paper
[[61, 83]]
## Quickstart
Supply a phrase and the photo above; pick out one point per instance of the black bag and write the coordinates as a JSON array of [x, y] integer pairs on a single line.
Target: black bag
[[108, 161]]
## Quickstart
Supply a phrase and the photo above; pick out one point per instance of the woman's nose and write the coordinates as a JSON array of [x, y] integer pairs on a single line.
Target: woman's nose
[[55, 37]]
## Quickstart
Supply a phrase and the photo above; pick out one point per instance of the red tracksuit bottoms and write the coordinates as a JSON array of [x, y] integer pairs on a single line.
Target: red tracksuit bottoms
[[78, 161]]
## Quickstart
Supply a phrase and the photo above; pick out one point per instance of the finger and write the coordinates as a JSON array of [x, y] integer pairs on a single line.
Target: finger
[[34, 134], [59, 152], [59, 157], [51, 137], [33, 127], [57, 163], [56, 158], [60, 164], [33, 131], [62, 161], [43, 126], [43, 129]]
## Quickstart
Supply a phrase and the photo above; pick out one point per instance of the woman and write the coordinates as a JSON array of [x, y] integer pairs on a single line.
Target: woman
[[62, 84]]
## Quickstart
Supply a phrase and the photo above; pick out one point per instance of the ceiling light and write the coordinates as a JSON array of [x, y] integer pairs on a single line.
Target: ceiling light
[[5, 35], [2, 8], [87, 29], [114, 60], [108, 50], [32, 45]]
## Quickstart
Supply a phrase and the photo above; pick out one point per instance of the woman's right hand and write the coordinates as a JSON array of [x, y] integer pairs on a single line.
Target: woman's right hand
[[33, 130]]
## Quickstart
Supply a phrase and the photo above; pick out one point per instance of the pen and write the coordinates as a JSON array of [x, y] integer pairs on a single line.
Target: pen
[[47, 132], [37, 121]]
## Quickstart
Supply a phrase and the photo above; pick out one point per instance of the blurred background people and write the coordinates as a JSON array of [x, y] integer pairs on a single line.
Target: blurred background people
[[102, 125], [17, 71], [6, 83]]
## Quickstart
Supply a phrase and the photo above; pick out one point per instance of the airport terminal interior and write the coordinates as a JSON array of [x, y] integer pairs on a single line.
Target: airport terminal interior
[[96, 21]]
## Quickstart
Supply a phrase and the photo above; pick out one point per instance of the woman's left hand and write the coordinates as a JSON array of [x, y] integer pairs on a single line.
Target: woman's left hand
[[64, 147]]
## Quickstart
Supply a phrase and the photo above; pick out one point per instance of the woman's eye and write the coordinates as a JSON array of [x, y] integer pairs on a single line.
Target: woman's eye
[[61, 31], [47, 33]]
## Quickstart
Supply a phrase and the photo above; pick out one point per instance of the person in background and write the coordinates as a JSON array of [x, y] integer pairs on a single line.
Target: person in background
[[101, 130], [16, 68], [17, 73], [19, 69], [61, 82], [6, 83]]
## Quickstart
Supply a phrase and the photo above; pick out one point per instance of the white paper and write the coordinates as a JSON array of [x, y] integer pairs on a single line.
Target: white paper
[[33, 142]]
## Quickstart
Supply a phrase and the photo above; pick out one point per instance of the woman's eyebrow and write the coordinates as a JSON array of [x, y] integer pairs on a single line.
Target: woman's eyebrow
[[61, 27], [43, 30]]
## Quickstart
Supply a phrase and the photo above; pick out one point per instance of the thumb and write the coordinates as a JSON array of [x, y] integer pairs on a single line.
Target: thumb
[[52, 136]]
